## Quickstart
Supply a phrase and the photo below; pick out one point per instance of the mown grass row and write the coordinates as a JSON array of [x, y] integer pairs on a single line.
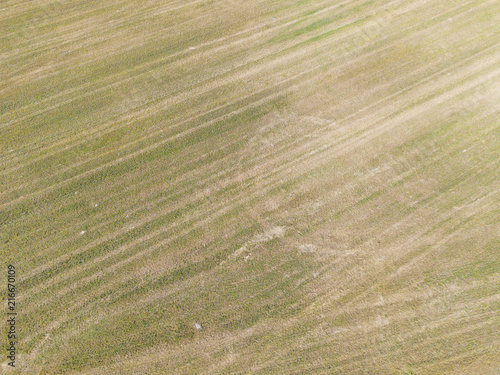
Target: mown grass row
[[172, 139]]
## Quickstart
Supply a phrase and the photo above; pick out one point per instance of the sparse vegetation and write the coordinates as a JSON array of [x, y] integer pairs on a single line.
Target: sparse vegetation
[[314, 183]]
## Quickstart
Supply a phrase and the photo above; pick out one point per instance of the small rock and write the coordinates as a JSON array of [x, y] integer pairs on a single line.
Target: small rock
[[198, 326]]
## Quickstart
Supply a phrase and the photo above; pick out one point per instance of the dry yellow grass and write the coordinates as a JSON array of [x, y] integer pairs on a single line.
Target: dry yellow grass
[[315, 183]]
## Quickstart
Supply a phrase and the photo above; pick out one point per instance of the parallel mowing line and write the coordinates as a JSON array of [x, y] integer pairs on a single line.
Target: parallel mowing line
[[113, 129], [86, 62], [144, 150], [146, 66], [409, 218], [320, 145], [451, 337], [424, 231], [181, 179], [419, 330], [368, 138], [147, 251], [415, 258], [152, 219], [310, 71], [185, 177], [149, 63], [117, 281], [320, 155], [290, 166], [388, 98], [42, 37], [278, 89], [98, 133], [97, 31], [350, 359], [357, 136], [345, 357], [146, 106]]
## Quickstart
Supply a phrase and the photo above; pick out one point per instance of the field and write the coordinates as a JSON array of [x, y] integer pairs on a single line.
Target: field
[[313, 183]]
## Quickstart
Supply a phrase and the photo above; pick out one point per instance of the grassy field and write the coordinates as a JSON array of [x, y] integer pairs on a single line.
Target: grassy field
[[315, 183]]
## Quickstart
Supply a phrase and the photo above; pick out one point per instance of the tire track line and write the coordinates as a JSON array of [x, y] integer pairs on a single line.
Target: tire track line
[[148, 104], [287, 168], [220, 212], [163, 142], [159, 61]]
